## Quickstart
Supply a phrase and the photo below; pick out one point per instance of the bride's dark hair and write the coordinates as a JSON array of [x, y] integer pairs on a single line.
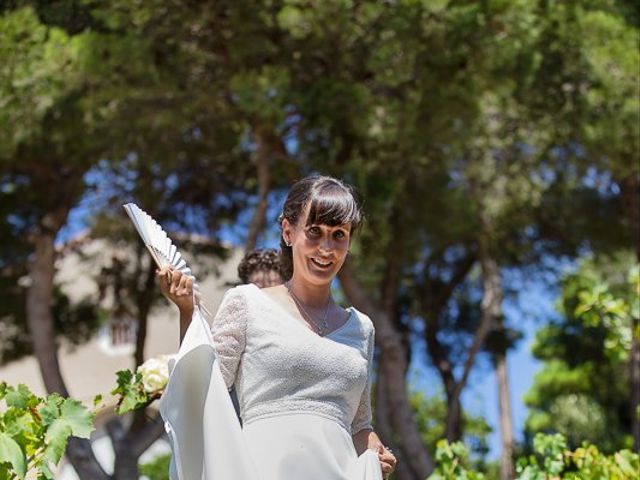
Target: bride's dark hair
[[331, 202]]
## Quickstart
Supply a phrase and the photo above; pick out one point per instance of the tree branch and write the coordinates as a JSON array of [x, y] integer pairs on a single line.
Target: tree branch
[[491, 302]]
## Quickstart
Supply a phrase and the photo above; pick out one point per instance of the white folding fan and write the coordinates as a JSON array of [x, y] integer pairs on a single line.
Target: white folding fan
[[162, 249]]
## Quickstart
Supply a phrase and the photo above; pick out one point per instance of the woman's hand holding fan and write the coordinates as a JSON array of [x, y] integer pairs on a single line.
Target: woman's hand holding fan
[[178, 288]]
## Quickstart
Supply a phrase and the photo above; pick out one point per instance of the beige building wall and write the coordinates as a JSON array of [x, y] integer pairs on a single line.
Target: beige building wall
[[90, 369]]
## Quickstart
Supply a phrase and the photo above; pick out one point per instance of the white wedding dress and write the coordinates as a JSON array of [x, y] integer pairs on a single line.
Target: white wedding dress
[[301, 396]]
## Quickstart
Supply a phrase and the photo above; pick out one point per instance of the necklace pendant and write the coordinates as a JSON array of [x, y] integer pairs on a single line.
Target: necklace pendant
[[320, 329]]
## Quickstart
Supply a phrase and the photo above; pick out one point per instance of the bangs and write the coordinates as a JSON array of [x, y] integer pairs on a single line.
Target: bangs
[[332, 204]]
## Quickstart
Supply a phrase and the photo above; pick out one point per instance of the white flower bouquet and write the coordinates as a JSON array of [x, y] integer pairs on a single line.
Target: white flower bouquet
[[137, 390]]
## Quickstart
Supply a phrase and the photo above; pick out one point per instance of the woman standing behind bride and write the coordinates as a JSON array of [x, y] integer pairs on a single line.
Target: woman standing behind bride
[[300, 363]]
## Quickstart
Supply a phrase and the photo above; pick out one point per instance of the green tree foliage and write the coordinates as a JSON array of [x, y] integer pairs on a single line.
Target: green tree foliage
[[608, 42], [586, 93], [583, 390]]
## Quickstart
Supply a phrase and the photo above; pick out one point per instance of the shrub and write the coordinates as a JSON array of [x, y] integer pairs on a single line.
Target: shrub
[[552, 461], [156, 469]]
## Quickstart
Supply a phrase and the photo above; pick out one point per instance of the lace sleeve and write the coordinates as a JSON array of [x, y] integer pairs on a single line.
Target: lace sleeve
[[228, 330], [362, 418]]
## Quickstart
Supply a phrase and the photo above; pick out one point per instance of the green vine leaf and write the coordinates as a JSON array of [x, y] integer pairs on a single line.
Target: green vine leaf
[[21, 397], [74, 419], [131, 392], [10, 452]]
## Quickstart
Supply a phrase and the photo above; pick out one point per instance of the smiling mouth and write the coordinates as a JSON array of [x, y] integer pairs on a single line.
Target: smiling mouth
[[320, 263]]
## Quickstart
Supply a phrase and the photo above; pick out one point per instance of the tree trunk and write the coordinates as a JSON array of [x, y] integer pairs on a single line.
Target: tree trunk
[[381, 413], [126, 462], [43, 336], [454, 408], [492, 313], [81, 456], [490, 272], [387, 372], [385, 429], [507, 471], [144, 300], [39, 316], [635, 385], [129, 445], [630, 195], [261, 160], [393, 369], [140, 441], [126, 465], [453, 422], [434, 297]]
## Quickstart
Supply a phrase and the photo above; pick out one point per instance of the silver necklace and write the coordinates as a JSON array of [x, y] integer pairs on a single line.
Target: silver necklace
[[320, 329]]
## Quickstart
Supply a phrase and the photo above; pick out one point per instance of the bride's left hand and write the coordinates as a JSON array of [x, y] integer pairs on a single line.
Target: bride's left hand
[[387, 460]]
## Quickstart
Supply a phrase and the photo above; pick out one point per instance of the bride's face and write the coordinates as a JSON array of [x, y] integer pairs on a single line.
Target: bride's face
[[318, 250]]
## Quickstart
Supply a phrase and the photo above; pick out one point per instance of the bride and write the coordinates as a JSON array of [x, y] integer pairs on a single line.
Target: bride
[[300, 363]]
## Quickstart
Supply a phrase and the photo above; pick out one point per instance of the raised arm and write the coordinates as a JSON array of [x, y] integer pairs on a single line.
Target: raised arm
[[178, 289]]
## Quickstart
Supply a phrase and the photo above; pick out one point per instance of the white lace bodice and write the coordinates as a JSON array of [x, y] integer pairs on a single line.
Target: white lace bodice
[[280, 366]]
